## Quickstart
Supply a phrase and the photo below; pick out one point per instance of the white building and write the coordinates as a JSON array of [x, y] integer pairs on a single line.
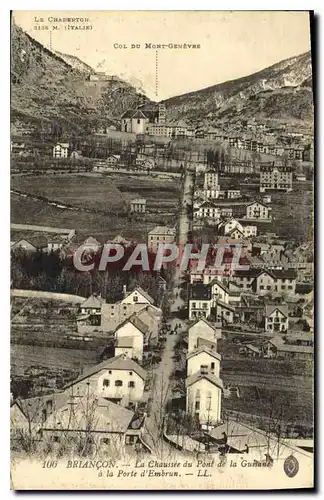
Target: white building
[[138, 296], [258, 211], [130, 338], [207, 210], [119, 378], [135, 122], [113, 160], [203, 329], [138, 205], [159, 235], [203, 360], [275, 178], [276, 318], [204, 398], [160, 129], [61, 150], [211, 186]]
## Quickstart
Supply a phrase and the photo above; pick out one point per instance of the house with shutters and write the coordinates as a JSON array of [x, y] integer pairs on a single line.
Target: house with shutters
[[119, 379], [258, 211], [276, 318], [160, 235], [207, 210], [262, 281], [61, 150], [204, 359], [282, 281], [138, 205], [276, 177], [200, 301]]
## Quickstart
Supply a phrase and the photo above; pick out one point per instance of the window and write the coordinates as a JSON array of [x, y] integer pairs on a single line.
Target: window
[[197, 405], [194, 305], [283, 320], [105, 382], [131, 384], [212, 366], [135, 298], [130, 373], [105, 441], [261, 287], [118, 383], [138, 121], [109, 372], [283, 287], [268, 287]]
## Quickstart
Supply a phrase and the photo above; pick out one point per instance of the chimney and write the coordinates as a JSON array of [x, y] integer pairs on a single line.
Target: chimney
[[124, 290]]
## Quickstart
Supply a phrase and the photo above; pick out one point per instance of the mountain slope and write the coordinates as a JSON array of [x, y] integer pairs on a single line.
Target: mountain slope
[[75, 63], [285, 88], [52, 88]]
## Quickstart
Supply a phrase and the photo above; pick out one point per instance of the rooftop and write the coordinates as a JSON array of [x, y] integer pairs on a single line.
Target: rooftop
[[199, 291], [140, 290], [270, 308], [94, 301], [164, 230], [208, 376], [116, 363], [141, 201], [295, 348], [207, 350]]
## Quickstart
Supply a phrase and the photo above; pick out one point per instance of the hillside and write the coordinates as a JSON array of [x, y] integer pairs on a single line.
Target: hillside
[[281, 91], [52, 90], [76, 63]]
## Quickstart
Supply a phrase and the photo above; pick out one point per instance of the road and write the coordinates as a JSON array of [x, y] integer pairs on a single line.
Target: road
[[186, 199], [161, 374]]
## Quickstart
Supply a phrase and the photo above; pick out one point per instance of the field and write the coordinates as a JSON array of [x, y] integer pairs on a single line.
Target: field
[[56, 359], [75, 190], [95, 203], [292, 213], [295, 407]]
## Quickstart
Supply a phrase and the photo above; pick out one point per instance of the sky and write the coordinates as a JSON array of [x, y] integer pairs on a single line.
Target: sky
[[233, 44]]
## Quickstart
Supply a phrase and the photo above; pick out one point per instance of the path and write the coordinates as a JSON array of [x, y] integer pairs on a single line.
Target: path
[[162, 373]]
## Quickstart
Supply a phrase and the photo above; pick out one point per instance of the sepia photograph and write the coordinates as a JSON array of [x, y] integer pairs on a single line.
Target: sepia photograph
[[161, 250]]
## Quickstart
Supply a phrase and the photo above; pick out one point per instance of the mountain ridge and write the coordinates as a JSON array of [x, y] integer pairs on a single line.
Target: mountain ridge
[[54, 87], [289, 75], [45, 88]]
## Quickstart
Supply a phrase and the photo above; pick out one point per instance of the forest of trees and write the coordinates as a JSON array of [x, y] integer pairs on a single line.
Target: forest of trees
[[50, 272]]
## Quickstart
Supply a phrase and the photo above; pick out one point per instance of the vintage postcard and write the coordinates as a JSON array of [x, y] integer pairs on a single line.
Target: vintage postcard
[[162, 274]]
